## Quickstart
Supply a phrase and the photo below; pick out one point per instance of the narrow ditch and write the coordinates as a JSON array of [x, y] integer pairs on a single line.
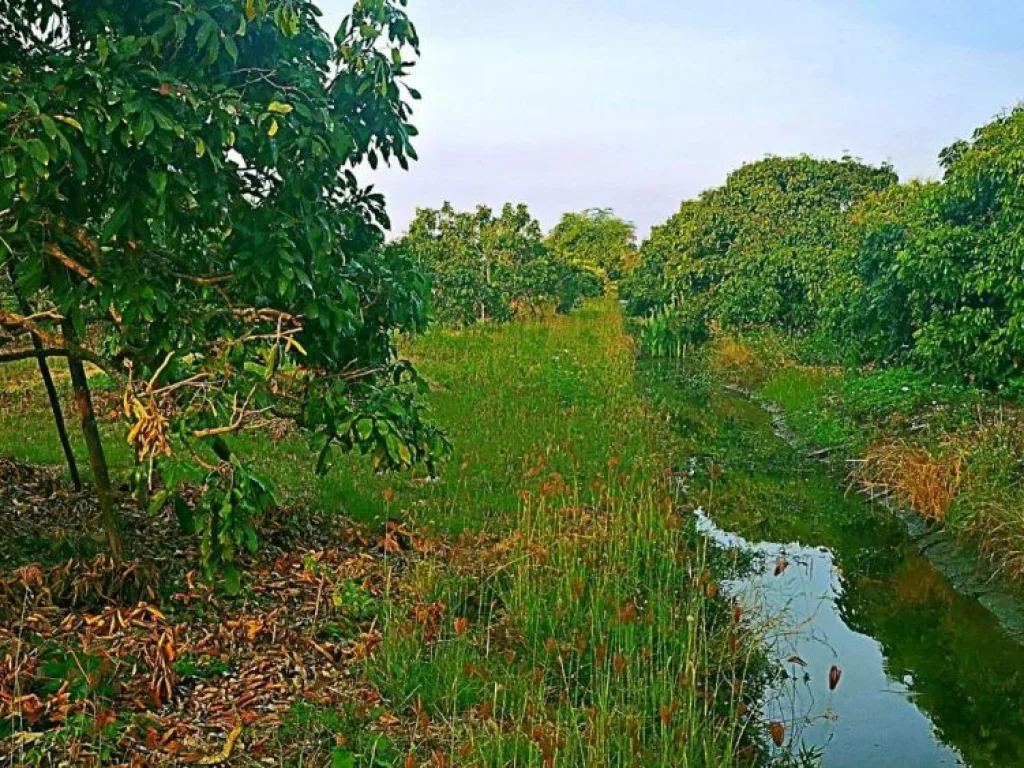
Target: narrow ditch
[[928, 676]]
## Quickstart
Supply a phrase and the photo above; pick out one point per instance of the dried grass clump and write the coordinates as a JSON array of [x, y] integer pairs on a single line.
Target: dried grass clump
[[735, 361], [924, 482]]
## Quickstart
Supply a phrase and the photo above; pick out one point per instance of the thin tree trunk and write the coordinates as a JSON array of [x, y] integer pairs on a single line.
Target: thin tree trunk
[[91, 432], [51, 390]]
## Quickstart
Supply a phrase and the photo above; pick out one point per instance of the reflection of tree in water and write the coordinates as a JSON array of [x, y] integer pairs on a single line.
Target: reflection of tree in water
[[964, 671]]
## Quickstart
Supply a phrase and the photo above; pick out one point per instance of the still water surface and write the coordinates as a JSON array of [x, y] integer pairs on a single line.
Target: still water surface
[[929, 678]]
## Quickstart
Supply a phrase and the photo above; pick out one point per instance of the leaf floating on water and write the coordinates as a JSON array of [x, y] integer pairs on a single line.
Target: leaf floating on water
[[833, 677], [796, 660], [781, 564], [778, 733]]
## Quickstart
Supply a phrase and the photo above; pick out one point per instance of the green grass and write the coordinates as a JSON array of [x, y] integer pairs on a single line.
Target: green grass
[[543, 397], [566, 612], [587, 630]]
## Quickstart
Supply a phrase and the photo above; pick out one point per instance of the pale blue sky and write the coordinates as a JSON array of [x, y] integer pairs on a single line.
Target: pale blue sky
[[638, 104]]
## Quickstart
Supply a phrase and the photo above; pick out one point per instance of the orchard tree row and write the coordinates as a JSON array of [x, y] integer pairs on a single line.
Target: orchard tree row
[[487, 268], [924, 273]]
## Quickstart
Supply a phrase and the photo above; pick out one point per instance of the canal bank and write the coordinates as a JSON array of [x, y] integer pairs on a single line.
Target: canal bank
[[927, 675]]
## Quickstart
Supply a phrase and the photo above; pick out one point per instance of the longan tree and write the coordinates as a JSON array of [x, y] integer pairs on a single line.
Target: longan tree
[[179, 208]]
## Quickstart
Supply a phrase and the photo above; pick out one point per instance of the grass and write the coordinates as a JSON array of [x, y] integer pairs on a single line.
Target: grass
[[542, 603]]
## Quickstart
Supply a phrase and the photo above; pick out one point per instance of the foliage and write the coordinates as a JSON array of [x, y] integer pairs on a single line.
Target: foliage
[[596, 240], [963, 269], [491, 268], [669, 330], [866, 308], [758, 249], [178, 199], [921, 273]]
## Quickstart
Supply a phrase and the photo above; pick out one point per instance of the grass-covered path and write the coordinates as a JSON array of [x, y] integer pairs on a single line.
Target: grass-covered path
[[541, 603]]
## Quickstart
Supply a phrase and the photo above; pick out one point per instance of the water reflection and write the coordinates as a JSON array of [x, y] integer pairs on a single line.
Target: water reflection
[[928, 676]]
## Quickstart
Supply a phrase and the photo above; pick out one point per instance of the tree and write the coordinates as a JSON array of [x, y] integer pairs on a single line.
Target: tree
[[178, 208], [867, 304], [596, 240], [962, 266], [490, 268], [759, 250]]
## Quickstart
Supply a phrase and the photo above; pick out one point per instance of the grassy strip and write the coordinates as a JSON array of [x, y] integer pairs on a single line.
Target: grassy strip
[[542, 603], [586, 626], [951, 453]]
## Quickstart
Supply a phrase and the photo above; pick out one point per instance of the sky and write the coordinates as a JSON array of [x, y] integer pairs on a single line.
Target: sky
[[636, 105]]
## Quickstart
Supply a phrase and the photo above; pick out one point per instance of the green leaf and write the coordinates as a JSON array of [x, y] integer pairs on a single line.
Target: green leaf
[[158, 180], [158, 501], [404, 453], [186, 518], [342, 758], [323, 459], [364, 428], [69, 121], [49, 127], [204, 34], [232, 579], [116, 222], [38, 150], [231, 48], [9, 165]]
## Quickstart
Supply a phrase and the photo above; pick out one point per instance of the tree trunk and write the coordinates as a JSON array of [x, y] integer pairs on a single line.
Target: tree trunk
[[51, 390], [91, 432]]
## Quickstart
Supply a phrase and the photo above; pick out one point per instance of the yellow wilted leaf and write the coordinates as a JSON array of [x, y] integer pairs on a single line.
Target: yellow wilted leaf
[[279, 108], [273, 129], [69, 121], [250, 9]]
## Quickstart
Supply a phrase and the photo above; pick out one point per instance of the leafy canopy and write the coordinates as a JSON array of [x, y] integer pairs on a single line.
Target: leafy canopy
[[487, 267], [596, 240], [177, 192], [758, 249]]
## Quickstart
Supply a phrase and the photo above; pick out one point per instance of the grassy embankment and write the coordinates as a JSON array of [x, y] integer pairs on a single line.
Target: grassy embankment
[[953, 454], [540, 604]]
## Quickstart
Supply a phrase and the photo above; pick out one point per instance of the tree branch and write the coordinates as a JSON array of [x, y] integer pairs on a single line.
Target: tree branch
[[31, 354]]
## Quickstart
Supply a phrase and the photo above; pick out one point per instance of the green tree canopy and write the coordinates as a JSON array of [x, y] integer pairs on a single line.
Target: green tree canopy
[[758, 249], [178, 206], [962, 267], [487, 267], [597, 240]]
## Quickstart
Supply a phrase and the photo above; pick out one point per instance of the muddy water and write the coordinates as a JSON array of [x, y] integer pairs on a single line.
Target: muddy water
[[928, 677]]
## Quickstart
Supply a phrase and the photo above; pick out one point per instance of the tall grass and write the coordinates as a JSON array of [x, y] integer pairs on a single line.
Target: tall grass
[[592, 641]]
